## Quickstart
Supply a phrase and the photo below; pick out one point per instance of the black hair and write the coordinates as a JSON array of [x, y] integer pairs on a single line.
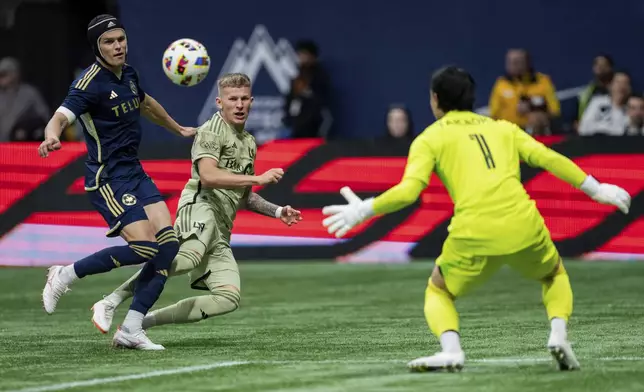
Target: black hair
[[454, 88], [606, 57], [308, 46], [410, 123]]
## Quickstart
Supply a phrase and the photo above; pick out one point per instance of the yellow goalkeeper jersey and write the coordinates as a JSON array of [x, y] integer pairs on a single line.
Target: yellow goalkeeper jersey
[[477, 159]]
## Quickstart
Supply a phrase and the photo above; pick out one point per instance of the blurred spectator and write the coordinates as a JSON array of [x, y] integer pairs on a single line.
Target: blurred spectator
[[8, 13], [23, 111], [310, 66], [524, 96], [306, 106], [304, 110], [635, 113], [399, 125], [603, 72], [606, 114]]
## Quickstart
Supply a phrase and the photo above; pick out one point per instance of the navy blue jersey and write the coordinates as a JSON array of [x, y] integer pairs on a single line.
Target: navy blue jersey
[[109, 110]]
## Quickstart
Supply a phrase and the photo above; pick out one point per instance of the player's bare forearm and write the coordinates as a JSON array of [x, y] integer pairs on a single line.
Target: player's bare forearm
[[398, 197], [258, 204], [213, 177], [56, 126], [155, 113]]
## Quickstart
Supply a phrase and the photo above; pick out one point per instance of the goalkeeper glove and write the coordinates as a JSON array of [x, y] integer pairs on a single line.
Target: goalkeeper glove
[[606, 194], [345, 217]]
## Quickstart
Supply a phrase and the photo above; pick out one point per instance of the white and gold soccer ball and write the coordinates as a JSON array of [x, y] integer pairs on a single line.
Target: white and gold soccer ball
[[186, 62]]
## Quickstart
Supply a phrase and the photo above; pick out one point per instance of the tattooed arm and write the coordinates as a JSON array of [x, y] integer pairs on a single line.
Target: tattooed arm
[[287, 214], [258, 204]]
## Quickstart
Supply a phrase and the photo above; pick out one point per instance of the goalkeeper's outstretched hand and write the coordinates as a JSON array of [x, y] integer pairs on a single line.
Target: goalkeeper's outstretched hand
[[345, 217], [607, 194]]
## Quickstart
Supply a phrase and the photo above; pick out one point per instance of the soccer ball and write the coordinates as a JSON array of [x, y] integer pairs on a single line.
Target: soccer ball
[[186, 62]]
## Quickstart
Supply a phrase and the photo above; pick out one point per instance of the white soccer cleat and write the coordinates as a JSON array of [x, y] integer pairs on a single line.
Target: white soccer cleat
[[561, 351], [103, 314], [54, 289], [451, 362], [137, 340]]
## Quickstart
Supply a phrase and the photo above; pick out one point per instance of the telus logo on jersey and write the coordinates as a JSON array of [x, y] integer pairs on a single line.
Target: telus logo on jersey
[[280, 62], [126, 106]]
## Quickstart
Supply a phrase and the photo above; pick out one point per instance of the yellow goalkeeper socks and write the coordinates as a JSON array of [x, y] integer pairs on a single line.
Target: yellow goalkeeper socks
[[557, 295], [442, 317]]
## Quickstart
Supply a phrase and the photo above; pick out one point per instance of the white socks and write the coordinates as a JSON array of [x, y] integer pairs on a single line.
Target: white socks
[[114, 298], [451, 342], [133, 321], [68, 274], [558, 327]]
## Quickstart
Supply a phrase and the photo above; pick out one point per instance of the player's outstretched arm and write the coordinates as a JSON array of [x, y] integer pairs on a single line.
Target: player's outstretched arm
[[538, 155], [420, 165], [53, 130], [286, 214], [155, 113], [212, 176]]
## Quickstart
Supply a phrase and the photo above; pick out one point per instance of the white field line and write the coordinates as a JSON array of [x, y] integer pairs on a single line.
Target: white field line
[[108, 380], [192, 369]]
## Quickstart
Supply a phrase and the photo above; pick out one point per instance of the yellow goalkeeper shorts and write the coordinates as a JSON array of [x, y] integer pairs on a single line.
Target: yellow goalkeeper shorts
[[464, 272]]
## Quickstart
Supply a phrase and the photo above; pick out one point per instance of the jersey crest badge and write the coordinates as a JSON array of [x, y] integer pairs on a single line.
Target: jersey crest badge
[[133, 88], [128, 200]]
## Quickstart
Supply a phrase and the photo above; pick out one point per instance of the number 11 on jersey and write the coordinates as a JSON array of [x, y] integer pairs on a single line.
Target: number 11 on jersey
[[487, 154]]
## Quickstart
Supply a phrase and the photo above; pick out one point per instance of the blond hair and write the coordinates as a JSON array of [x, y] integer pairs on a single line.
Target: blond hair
[[233, 80]]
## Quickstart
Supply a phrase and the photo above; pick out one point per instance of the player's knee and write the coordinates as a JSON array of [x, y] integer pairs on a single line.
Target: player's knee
[[218, 304], [437, 279], [142, 251], [437, 284], [186, 260], [168, 248], [559, 269], [227, 298]]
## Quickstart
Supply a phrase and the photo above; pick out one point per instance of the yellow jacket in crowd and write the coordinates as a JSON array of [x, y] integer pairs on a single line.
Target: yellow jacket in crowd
[[535, 87]]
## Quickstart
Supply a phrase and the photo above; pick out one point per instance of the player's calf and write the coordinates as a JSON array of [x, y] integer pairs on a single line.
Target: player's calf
[[59, 278], [136, 252], [223, 300], [558, 299]]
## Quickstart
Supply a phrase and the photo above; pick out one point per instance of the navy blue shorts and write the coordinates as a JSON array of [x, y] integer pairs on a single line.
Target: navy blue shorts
[[121, 201]]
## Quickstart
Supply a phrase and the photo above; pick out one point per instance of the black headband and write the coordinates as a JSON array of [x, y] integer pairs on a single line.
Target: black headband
[[99, 26]]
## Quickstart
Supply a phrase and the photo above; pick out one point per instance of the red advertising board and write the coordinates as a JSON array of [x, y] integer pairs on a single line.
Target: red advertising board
[[45, 217]]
